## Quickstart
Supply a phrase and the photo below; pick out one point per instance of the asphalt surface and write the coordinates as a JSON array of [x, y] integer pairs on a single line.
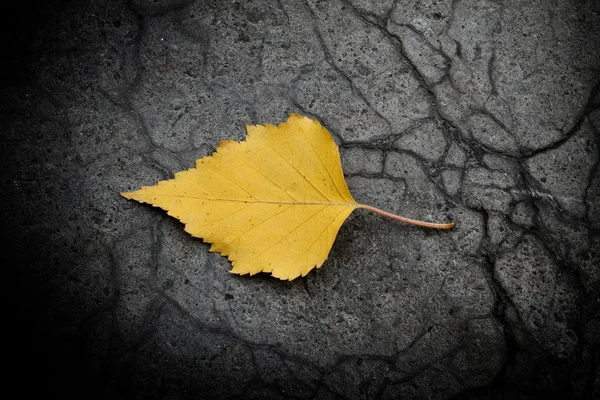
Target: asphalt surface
[[483, 112]]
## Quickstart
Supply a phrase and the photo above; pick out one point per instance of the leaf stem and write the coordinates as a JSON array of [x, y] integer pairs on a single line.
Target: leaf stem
[[408, 220]]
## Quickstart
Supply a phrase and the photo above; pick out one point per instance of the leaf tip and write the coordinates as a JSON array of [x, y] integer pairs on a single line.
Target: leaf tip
[[127, 195]]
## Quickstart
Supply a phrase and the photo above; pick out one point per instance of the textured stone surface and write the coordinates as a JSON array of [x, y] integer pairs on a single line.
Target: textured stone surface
[[426, 141], [565, 171], [526, 275], [486, 113]]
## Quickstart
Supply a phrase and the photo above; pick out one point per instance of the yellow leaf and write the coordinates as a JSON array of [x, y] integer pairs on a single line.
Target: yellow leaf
[[272, 203]]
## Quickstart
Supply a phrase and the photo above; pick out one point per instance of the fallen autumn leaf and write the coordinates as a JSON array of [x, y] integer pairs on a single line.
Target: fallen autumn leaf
[[272, 203]]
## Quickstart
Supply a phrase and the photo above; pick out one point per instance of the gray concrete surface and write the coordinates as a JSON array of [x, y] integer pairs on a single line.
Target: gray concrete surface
[[486, 112]]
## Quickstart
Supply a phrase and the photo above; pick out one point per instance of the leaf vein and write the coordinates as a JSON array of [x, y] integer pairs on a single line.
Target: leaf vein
[[285, 236], [322, 162], [318, 237], [257, 225], [268, 178], [296, 169], [231, 180]]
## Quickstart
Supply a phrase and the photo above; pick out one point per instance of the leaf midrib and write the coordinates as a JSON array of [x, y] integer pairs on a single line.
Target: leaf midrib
[[299, 203]]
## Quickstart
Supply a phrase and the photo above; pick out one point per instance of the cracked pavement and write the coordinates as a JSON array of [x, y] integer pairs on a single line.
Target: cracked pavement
[[487, 112]]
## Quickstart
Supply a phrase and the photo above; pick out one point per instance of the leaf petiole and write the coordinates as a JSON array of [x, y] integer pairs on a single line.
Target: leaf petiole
[[434, 225]]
